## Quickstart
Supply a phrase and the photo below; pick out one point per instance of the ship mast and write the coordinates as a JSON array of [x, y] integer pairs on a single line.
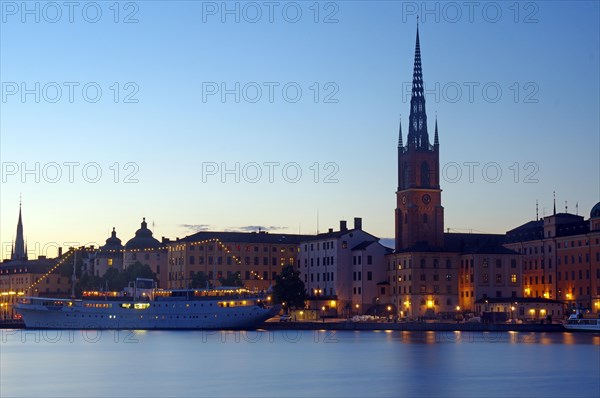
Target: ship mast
[[74, 276]]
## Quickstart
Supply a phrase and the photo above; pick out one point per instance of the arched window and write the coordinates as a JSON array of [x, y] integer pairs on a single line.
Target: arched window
[[424, 174]]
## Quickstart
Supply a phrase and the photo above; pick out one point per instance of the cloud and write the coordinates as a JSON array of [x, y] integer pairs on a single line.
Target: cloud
[[193, 228], [254, 228]]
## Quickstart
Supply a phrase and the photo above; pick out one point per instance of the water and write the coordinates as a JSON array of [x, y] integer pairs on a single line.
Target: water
[[298, 364]]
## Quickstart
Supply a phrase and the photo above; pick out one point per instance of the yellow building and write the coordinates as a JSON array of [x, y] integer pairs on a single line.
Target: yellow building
[[257, 257]]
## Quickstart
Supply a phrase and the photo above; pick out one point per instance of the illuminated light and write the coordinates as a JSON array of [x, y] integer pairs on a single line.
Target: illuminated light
[[429, 303], [323, 308], [457, 308], [389, 307], [332, 303], [532, 311], [356, 305], [512, 308]]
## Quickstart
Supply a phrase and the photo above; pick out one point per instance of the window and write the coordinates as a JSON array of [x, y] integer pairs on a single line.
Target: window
[[513, 278], [369, 260], [498, 278], [369, 276]]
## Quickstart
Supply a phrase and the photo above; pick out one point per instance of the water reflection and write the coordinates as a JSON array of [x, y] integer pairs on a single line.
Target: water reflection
[[298, 363]]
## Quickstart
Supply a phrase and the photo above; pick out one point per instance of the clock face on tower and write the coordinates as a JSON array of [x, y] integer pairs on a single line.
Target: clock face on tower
[[426, 199], [404, 200]]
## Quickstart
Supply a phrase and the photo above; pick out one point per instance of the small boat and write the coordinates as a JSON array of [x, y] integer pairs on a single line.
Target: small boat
[[577, 321], [146, 308]]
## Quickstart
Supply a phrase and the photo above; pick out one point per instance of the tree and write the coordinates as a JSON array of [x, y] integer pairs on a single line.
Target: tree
[[289, 288], [233, 279], [199, 281]]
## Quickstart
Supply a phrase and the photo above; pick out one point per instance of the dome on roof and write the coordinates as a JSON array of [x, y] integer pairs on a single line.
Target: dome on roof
[[143, 239], [112, 243], [595, 213]]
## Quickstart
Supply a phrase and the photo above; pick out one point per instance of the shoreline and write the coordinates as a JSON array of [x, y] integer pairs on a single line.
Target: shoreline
[[416, 326], [385, 326]]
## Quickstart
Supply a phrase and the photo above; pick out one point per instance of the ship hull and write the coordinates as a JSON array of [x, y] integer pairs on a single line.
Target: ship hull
[[162, 315]]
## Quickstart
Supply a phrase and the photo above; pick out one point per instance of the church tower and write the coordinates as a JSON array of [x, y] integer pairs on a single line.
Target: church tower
[[19, 251], [419, 211]]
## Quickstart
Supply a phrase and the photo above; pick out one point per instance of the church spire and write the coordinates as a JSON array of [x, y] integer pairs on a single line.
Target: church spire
[[436, 140], [400, 144], [417, 129], [19, 252], [554, 194]]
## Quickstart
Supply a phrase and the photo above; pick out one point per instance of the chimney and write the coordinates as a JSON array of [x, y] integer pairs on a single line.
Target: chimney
[[330, 230], [343, 225], [60, 252], [357, 223]]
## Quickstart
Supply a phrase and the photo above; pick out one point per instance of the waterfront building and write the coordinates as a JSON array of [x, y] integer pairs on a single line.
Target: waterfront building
[[524, 309], [109, 255], [423, 271], [21, 276], [344, 271], [146, 249], [561, 258], [255, 257]]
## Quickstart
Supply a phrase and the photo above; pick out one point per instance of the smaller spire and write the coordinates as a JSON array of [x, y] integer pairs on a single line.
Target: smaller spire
[[436, 140], [554, 193], [400, 144]]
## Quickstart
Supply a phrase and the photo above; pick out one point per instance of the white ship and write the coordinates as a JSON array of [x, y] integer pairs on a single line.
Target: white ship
[[578, 322], [149, 308]]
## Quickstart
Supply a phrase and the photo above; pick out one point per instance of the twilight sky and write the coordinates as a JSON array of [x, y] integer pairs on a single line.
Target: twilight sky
[[243, 114]]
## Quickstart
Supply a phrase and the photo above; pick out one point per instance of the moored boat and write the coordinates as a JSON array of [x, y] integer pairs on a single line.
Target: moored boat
[[150, 308], [578, 321]]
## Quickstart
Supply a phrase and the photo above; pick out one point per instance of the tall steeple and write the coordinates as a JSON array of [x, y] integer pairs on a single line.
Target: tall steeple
[[400, 150], [419, 214], [436, 140], [19, 252], [400, 144], [417, 130]]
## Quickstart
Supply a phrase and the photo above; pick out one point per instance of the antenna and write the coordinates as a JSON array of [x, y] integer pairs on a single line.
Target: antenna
[[566, 207], [576, 208], [537, 217], [74, 276], [317, 221]]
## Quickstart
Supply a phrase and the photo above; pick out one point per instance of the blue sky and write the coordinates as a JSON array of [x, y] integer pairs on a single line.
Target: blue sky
[[515, 87]]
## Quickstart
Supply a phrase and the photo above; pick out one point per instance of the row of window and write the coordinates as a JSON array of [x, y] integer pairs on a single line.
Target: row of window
[[325, 245], [579, 274], [327, 277], [324, 260], [357, 276], [211, 248], [422, 264], [579, 259]]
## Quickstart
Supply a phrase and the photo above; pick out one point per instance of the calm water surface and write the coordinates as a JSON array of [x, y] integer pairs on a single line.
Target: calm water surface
[[294, 363]]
